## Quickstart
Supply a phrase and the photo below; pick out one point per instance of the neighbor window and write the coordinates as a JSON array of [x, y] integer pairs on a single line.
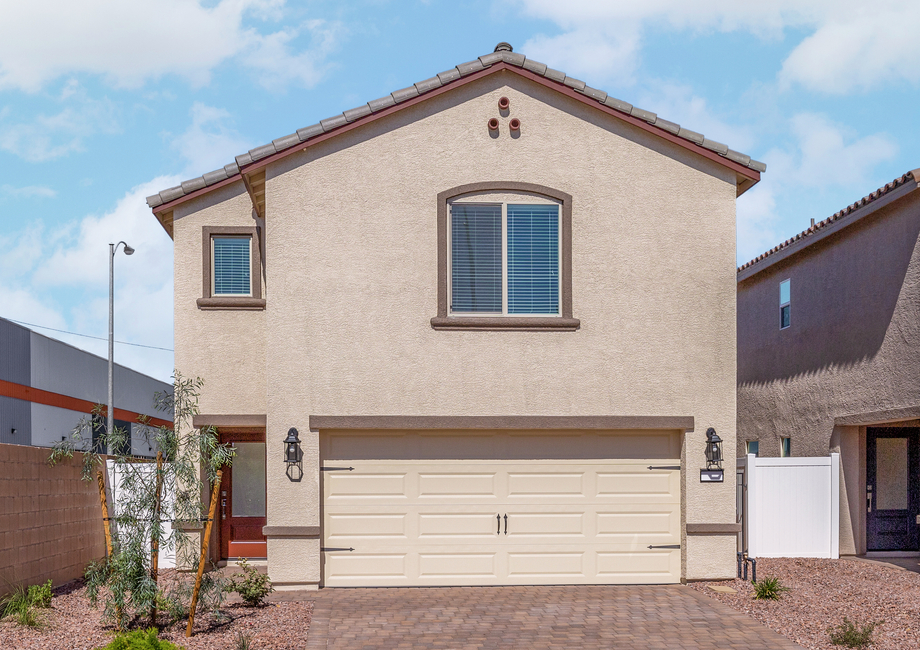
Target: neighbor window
[[753, 447], [784, 303], [785, 447], [231, 266], [504, 259]]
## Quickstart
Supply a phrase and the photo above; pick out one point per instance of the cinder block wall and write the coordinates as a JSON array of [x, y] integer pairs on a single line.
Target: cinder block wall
[[50, 519]]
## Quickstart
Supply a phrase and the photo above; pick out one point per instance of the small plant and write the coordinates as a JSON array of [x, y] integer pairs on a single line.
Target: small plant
[[768, 589], [851, 635], [140, 640], [253, 587], [23, 604], [242, 641]]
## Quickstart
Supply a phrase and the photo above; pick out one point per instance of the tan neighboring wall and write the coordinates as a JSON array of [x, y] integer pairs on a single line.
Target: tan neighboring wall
[[851, 354], [50, 519], [351, 263]]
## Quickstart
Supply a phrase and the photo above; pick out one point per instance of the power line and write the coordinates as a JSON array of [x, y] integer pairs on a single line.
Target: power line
[[87, 336]]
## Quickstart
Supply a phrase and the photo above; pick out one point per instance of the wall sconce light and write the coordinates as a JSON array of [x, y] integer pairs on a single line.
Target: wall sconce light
[[713, 472], [293, 455]]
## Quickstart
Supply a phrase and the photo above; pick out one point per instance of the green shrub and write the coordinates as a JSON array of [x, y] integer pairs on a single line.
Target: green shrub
[[23, 604], [253, 587], [242, 642], [768, 589], [40, 595], [851, 635], [140, 640]]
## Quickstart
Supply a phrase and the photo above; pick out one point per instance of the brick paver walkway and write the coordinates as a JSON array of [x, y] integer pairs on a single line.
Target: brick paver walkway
[[625, 618]]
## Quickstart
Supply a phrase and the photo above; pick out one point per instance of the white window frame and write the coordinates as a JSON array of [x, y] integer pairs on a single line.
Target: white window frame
[[450, 262], [214, 267], [782, 304]]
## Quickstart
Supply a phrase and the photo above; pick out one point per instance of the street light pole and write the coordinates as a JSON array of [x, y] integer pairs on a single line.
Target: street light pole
[[110, 410]]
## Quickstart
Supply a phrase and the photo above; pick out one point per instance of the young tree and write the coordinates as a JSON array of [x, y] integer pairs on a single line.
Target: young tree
[[191, 457]]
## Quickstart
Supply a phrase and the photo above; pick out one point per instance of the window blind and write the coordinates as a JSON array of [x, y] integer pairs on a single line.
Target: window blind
[[476, 258], [533, 259], [231, 266]]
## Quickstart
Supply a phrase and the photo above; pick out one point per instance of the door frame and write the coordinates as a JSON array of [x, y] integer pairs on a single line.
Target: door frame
[[226, 491], [913, 487]]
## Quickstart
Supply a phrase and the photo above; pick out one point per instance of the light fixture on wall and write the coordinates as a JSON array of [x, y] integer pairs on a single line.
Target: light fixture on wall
[[713, 472], [293, 455]]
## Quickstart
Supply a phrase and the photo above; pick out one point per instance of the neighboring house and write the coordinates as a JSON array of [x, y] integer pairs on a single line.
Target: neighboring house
[[498, 307], [48, 387], [829, 359]]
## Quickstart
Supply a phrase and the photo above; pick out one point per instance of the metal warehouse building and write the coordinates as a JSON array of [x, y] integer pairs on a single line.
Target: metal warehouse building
[[47, 387]]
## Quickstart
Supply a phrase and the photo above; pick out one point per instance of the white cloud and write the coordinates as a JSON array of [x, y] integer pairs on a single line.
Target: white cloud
[[824, 156], [131, 42], [210, 142], [852, 45], [60, 280], [46, 137], [29, 191], [275, 64]]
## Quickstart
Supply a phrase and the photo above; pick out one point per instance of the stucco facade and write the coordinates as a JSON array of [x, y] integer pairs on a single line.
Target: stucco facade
[[350, 250], [850, 358]]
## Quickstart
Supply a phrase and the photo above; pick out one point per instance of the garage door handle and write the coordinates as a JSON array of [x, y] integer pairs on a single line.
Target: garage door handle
[[506, 524], [326, 549], [498, 519], [664, 466], [336, 469], [664, 545]]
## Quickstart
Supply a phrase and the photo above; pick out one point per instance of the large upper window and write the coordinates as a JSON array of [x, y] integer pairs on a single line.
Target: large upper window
[[504, 259], [231, 267]]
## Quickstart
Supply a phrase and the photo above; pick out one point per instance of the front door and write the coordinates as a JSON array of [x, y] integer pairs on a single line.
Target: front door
[[892, 486], [242, 498]]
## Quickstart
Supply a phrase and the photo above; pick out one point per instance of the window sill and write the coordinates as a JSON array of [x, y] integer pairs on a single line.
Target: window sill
[[506, 323], [245, 304]]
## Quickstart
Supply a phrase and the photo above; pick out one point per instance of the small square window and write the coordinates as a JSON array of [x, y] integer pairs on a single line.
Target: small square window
[[785, 300], [231, 268], [753, 447], [785, 447]]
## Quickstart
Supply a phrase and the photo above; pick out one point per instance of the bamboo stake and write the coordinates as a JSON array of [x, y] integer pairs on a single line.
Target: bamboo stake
[[100, 479], [204, 552], [155, 542]]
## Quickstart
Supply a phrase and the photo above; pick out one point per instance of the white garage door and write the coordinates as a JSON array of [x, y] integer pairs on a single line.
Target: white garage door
[[463, 520]]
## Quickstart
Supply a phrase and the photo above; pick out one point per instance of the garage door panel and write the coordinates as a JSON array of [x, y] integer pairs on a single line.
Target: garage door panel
[[635, 485], [347, 526], [660, 526], [638, 566], [532, 527], [542, 566], [356, 485], [546, 484], [448, 527], [457, 486], [355, 567], [449, 566]]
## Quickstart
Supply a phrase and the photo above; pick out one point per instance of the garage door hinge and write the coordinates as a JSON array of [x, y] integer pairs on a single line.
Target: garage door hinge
[[326, 549], [664, 545], [664, 466], [336, 469]]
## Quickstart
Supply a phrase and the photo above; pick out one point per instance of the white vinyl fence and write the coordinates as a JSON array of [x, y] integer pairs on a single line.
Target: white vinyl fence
[[791, 506], [167, 559]]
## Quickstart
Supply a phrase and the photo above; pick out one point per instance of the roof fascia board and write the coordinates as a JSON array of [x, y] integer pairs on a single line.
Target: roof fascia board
[[827, 231], [749, 176]]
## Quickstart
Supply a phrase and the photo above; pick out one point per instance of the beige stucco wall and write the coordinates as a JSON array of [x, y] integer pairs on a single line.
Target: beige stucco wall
[[352, 284], [853, 348]]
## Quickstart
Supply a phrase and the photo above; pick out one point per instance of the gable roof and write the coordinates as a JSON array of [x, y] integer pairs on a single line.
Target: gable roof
[[503, 58], [878, 199]]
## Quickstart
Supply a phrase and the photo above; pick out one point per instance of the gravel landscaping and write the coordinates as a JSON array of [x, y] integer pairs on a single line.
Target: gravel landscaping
[[72, 623], [822, 592]]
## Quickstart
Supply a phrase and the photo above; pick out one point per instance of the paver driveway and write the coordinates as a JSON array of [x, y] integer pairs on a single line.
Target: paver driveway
[[625, 618]]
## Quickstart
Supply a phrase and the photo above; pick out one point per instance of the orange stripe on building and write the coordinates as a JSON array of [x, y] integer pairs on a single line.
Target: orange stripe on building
[[39, 396]]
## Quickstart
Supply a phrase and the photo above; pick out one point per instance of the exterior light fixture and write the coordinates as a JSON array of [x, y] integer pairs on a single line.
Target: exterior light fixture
[[292, 447], [713, 472]]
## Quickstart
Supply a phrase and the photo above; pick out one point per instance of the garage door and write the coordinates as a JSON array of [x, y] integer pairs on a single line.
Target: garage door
[[416, 519]]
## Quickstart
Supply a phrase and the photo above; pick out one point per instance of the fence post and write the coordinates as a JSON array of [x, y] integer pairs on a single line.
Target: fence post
[[751, 510], [835, 505]]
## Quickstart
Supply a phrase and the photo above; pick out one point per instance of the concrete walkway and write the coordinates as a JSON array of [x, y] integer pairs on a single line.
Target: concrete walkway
[[625, 618]]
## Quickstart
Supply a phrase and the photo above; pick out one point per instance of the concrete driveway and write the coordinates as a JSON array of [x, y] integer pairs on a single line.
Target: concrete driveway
[[647, 617]]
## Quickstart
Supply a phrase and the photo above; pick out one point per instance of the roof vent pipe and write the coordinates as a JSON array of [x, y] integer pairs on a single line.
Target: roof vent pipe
[[812, 222], [504, 47]]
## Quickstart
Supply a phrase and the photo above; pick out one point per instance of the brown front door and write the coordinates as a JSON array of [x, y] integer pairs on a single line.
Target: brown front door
[[242, 498]]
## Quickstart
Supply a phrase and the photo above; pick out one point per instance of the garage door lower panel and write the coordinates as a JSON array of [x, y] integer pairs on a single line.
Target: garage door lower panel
[[504, 522]]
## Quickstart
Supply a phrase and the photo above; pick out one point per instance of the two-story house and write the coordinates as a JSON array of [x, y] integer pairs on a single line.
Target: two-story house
[[829, 360], [497, 310]]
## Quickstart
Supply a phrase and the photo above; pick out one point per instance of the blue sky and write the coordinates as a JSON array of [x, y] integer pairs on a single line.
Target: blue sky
[[104, 102]]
